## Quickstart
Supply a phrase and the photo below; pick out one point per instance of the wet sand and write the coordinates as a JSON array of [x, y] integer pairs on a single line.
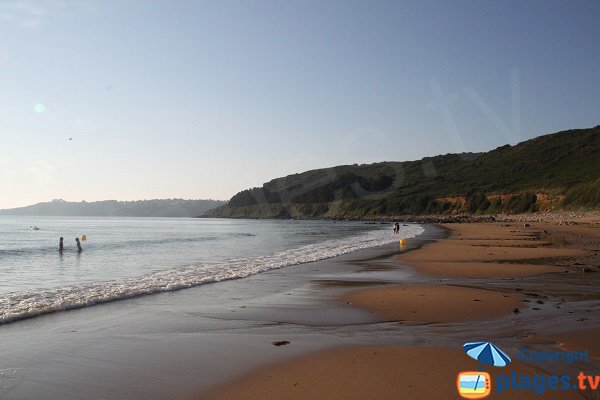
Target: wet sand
[[537, 286]]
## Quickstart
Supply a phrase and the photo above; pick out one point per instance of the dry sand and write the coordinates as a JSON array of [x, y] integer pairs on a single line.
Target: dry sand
[[372, 373], [434, 303], [474, 251], [587, 339], [577, 340]]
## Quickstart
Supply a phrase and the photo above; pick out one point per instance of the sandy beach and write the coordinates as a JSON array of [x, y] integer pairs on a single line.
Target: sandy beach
[[377, 323], [516, 284]]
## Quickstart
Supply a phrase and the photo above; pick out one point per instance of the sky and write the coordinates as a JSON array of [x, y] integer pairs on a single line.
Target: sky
[[133, 100]]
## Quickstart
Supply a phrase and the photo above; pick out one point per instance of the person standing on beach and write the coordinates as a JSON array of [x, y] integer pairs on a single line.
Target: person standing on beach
[[79, 249], [61, 246]]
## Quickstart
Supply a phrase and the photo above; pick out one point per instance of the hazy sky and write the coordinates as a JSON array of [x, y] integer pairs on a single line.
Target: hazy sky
[[200, 99]]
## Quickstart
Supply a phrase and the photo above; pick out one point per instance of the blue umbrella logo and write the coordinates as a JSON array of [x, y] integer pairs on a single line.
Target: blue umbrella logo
[[487, 353]]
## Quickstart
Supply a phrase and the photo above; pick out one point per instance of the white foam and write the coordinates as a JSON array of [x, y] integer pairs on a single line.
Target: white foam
[[15, 306]]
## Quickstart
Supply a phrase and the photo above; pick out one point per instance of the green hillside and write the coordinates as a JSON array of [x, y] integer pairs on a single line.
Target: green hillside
[[560, 170]]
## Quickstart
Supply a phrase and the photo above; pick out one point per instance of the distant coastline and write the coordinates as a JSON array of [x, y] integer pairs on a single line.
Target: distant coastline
[[113, 208]]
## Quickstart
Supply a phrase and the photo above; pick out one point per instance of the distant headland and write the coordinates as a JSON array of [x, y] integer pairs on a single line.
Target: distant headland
[[114, 208]]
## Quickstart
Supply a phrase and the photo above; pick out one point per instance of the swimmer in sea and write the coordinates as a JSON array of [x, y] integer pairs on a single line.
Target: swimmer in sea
[[61, 246], [79, 249]]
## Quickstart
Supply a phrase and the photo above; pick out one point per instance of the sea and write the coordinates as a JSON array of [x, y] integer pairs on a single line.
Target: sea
[[129, 257]]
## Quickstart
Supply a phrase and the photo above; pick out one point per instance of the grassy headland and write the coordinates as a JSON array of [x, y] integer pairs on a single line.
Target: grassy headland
[[550, 172]]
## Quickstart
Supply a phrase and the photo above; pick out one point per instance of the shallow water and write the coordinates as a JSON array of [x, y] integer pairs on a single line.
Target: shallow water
[[127, 257]]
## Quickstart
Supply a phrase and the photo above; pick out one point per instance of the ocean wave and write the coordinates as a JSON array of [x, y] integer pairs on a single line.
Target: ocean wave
[[16, 306]]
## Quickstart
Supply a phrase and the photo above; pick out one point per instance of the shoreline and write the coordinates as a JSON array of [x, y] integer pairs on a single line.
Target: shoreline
[[517, 262], [153, 347], [559, 215], [94, 293]]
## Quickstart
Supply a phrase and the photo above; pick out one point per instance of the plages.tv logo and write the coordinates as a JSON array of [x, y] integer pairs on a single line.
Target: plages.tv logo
[[474, 384], [478, 384]]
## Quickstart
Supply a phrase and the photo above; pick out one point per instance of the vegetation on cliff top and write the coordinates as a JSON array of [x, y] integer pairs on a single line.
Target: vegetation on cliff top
[[559, 170]]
